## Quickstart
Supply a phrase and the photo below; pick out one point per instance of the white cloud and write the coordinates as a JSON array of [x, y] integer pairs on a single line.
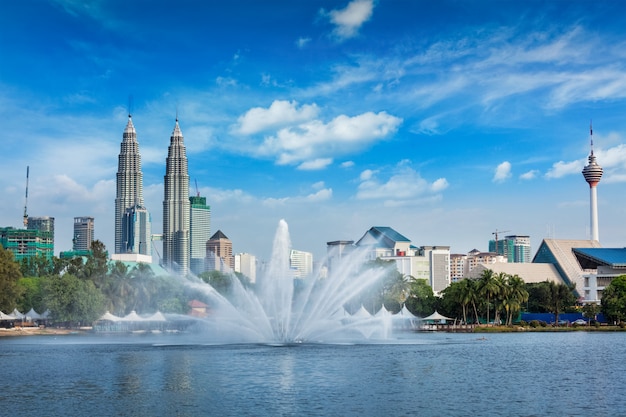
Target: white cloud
[[403, 185], [367, 174], [349, 20], [280, 113], [302, 42], [503, 172], [561, 169], [347, 164], [321, 195], [318, 185], [315, 140], [439, 185], [315, 164], [532, 174]]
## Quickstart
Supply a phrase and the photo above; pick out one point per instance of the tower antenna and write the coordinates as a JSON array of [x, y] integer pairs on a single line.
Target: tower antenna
[[130, 104], [26, 200], [591, 135]]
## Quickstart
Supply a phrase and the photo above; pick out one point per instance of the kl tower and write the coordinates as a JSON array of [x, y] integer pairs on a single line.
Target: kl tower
[[592, 173]]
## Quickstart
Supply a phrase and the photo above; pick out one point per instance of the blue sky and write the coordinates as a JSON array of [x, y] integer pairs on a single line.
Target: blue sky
[[445, 120]]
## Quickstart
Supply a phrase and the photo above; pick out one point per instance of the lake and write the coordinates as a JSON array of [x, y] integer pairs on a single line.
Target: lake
[[430, 374]]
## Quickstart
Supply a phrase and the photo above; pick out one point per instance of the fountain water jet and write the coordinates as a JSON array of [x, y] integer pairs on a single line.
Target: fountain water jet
[[280, 312]]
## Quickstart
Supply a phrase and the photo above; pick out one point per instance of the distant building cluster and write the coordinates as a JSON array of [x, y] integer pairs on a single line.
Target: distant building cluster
[[189, 247]]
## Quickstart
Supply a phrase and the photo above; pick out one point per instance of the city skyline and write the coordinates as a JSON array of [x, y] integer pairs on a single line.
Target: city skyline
[[444, 121]]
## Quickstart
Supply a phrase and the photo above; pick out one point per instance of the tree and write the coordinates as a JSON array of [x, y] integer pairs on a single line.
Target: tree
[[591, 310], [488, 287], [516, 295], [9, 276], [421, 299], [31, 294], [560, 297], [73, 300], [614, 299], [36, 266]]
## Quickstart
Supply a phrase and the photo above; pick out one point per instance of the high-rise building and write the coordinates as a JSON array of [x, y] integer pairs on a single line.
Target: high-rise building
[[301, 262], [136, 233], [514, 248], [219, 253], [199, 232], [27, 243], [592, 173], [83, 233], [245, 264], [43, 224], [176, 206], [129, 189], [336, 251]]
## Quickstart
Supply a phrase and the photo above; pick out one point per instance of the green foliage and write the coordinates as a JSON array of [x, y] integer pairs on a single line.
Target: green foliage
[[421, 300], [614, 300], [73, 300], [36, 266], [391, 290], [9, 277], [31, 294]]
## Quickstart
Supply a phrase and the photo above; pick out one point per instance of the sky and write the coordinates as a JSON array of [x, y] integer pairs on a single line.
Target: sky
[[447, 120]]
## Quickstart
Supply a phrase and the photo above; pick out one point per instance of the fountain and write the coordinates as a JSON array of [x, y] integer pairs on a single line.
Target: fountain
[[279, 312]]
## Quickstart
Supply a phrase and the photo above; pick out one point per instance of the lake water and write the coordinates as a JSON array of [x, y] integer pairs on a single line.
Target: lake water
[[439, 374]]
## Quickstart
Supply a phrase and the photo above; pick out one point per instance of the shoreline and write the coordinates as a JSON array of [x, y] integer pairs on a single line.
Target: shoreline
[[36, 331]]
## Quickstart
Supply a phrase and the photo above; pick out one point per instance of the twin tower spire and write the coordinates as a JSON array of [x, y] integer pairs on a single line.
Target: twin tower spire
[[132, 219]]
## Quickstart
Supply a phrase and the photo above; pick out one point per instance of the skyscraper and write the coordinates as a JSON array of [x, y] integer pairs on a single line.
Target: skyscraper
[[515, 248], [136, 233], [129, 188], [592, 173], [176, 206], [83, 233], [199, 232]]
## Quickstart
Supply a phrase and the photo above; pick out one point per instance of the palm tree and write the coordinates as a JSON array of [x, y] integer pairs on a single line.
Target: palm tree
[[517, 295], [488, 287], [501, 295], [561, 296]]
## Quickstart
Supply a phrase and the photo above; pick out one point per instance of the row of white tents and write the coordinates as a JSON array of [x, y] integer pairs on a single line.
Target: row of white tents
[[31, 316], [403, 314]]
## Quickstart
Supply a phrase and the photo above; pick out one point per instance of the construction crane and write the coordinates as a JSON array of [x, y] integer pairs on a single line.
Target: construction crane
[[496, 234], [26, 201], [197, 191]]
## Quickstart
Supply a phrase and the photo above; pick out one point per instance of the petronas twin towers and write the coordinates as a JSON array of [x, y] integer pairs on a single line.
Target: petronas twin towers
[[132, 219]]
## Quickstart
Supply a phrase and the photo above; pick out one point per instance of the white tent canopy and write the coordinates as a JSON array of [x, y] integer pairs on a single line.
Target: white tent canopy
[[16, 313], [158, 316], [6, 316], [109, 317], [33, 315], [132, 316], [437, 317]]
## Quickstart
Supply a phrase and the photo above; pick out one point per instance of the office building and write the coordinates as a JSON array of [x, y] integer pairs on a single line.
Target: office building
[[245, 264], [219, 253], [83, 233], [129, 194], [199, 232], [514, 248], [136, 232], [176, 209], [301, 263]]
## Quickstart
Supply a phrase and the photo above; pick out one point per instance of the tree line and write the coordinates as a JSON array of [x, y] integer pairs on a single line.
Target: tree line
[[81, 289]]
